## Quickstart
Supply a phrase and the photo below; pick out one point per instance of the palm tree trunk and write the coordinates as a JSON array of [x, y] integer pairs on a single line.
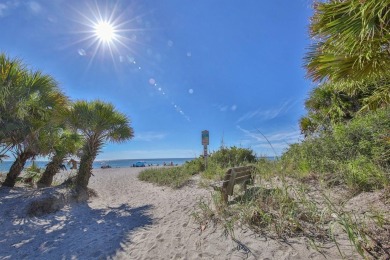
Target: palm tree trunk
[[85, 169], [17, 168], [51, 169]]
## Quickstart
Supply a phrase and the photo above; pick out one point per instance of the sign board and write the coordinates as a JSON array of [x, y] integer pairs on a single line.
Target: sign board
[[205, 137]]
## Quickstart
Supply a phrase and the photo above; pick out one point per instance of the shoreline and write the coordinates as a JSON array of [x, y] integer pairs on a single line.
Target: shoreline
[[123, 163]]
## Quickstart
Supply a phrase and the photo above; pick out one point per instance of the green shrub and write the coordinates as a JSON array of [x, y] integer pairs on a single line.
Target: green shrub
[[357, 152], [233, 156], [224, 158], [214, 171], [363, 174], [195, 166]]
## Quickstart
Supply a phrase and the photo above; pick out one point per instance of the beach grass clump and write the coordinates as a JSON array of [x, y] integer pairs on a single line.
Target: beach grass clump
[[174, 177], [267, 169], [279, 211], [213, 172]]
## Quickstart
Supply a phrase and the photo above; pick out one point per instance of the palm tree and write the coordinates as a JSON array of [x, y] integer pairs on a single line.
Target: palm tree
[[11, 71], [64, 143], [97, 122], [351, 48], [352, 40], [26, 114], [327, 106]]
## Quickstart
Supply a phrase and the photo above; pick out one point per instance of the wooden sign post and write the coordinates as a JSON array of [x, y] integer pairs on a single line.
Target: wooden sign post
[[205, 143]]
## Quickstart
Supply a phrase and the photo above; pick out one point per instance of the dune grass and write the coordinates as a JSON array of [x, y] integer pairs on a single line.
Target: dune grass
[[174, 177]]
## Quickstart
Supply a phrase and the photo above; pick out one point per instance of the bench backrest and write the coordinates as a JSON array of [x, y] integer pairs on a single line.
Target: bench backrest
[[237, 175]]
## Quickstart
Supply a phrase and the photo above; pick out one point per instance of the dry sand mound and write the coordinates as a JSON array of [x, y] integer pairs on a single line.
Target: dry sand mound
[[130, 219]]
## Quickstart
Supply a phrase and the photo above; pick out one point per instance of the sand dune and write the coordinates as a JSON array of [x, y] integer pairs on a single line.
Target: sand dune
[[131, 219]]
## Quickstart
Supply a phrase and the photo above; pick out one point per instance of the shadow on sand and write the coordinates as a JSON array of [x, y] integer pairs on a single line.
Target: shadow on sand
[[75, 232]]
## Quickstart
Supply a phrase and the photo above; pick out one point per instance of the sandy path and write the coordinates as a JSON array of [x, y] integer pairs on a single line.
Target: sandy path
[[130, 219]]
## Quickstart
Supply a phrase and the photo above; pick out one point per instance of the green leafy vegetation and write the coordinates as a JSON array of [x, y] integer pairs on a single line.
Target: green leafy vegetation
[[174, 177], [226, 157], [33, 173], [233, 156], [356, 153]]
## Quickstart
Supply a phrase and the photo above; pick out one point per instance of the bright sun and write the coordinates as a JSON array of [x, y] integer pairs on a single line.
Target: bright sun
[[105, 32]]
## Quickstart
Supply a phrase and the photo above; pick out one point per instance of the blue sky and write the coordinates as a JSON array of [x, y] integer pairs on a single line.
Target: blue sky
[[175, 67]]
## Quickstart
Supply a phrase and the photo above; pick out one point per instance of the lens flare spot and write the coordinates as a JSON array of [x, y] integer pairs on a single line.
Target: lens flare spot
[[191, 91], [152, 81], [130, 59], [81, 52]]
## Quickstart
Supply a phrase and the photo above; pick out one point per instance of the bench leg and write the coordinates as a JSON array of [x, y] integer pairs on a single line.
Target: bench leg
[[225, 198], [224, 195]]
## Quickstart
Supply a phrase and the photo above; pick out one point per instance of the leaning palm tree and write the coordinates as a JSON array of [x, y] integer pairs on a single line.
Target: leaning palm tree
[[63, 143], [26, 115], [98, 122]]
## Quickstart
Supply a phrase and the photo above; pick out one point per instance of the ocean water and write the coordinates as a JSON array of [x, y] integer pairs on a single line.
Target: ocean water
[[4, 166]]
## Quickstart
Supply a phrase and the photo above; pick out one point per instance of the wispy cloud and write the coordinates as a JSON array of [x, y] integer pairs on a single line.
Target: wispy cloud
[[149, 136], [34, 7], [3, 8], [224, 108], [279, 140], [7, 7], [268, 113]]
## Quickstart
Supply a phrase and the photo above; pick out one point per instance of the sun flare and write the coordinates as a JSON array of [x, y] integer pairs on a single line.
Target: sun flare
[[105, 32]]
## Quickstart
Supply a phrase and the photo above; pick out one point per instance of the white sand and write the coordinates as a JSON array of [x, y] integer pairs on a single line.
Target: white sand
[[131, 219]]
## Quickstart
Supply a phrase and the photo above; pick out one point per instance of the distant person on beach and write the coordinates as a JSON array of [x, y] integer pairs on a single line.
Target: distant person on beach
[[73, 163], [165, 164], [171, 164]]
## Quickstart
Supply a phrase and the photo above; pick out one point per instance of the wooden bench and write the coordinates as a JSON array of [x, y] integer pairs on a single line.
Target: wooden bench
[[237, 175]]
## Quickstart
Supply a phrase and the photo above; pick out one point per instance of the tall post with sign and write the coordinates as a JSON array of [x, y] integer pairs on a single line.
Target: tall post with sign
[[205, 143]]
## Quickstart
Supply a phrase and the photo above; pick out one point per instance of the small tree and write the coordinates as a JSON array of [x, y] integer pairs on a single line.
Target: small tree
[[98, 122], [65, 143]]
